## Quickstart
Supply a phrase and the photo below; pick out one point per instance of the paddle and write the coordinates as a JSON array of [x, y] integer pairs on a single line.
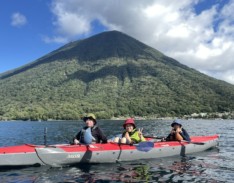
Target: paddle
[[197, 143], [155, 137], [144, 146], [141, 146], [45, 136]]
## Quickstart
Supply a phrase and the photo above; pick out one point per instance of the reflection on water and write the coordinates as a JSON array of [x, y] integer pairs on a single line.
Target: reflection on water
[[215, 165], [174, 169]]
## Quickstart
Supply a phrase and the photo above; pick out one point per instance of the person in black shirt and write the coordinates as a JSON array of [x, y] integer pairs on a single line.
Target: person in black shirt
[[178, 133], [91, 133]]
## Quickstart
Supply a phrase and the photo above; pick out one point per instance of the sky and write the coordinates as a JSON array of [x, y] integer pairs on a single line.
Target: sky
[[197, 33]]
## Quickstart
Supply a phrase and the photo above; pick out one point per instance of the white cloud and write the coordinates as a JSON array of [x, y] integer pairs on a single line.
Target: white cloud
[[68, 19], [172, 27], [226, 75], [18, 20], [56, 39]]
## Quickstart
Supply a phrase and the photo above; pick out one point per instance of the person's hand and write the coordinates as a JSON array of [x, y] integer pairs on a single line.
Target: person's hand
[[128, 137], [76, 141], [173, 131], [163, 139], [140, 132], [178, 130]]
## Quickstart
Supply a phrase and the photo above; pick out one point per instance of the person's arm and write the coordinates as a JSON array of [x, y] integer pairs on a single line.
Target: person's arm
[[76, 139], [101, 136], [178, 136], [171, 135], [141, 135], [168, 138], [142, 139], [128, 137], [185, 135]]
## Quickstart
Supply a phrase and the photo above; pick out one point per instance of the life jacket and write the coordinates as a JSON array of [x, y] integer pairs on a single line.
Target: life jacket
[[86, 135], [133, 135]]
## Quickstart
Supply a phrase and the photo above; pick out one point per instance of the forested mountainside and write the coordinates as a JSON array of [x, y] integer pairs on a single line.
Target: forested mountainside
[[110, 74]]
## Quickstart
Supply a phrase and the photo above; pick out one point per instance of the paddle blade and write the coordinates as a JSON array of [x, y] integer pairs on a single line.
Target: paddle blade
[[145, 146]]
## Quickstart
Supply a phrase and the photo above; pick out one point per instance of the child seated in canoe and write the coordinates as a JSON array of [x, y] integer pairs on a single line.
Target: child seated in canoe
[[177, 133], [131, 135]]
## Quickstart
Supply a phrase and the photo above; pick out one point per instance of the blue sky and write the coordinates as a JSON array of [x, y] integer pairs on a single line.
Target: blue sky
[[198, 33]]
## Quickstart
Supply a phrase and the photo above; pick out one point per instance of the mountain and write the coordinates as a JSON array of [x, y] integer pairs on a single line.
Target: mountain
[[110, 74]]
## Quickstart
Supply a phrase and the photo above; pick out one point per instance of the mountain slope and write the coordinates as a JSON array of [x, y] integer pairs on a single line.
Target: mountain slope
[[110, 74]]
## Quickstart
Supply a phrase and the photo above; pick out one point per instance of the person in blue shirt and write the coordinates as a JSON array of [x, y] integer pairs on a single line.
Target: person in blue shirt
[[177, 132]]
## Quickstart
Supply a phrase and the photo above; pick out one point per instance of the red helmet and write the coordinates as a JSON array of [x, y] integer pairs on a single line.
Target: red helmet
[[129, 121]]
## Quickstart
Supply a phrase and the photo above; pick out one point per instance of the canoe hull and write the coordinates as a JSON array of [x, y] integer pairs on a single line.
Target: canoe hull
[[65, 154], [111, 153], [22, 155]]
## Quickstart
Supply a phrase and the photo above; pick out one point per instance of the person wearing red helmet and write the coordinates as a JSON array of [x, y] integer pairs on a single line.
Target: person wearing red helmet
[[131, 135]]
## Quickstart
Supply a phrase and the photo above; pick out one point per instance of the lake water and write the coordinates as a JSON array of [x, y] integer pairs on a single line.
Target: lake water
[[216, 165]]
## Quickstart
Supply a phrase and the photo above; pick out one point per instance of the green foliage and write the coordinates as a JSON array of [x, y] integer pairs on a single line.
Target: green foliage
[[110, 75]]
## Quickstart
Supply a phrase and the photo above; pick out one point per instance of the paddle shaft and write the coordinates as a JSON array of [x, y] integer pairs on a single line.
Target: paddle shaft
[[45, 136], [197, 143], [141, 146], [155, 137]]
